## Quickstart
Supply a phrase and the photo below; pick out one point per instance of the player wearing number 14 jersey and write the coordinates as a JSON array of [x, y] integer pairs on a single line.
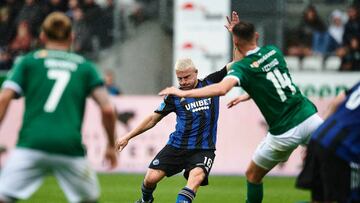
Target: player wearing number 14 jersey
[[263, 74], [55, 84]]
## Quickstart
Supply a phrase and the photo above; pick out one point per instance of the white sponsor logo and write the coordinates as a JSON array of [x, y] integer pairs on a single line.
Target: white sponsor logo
[[257, 63], [199, 105]]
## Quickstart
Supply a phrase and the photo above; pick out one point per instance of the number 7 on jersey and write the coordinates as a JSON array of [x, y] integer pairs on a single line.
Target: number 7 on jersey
[[61, 78]]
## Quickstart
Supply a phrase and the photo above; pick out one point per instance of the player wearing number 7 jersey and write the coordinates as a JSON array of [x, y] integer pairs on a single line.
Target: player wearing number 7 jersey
[[55, 84], [264, 75]]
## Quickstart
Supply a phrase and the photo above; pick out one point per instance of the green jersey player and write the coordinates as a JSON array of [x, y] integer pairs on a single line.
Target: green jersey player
[[55, 84], [263, 74]]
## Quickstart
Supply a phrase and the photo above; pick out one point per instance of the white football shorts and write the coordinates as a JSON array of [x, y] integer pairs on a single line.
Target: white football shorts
[[25, 170], [274, 149]]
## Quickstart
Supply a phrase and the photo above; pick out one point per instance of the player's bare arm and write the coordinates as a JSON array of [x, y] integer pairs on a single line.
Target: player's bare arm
[[101, 97], [5, 97], [235, 101], [217, 89], [145, 125]]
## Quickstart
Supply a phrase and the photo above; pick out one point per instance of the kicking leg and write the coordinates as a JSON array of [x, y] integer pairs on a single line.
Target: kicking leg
[[254, 176], [188, 193]]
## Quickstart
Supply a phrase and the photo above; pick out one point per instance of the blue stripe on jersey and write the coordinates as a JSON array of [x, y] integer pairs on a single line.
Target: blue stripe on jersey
[[341, 131], [196, 125]]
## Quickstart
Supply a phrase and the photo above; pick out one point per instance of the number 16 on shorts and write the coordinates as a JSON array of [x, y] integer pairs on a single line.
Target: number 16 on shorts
[[207, 162]]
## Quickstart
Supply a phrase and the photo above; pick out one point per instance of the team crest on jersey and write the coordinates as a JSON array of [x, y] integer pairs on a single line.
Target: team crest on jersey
[[156, 162], [255, 64]]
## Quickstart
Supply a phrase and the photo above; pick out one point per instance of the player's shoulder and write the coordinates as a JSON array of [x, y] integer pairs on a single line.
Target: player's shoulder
[[272, 48], [24, 59], [170, 98], [241, 64]]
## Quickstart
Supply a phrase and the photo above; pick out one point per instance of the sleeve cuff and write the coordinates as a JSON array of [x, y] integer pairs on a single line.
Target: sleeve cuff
[[12, 85]]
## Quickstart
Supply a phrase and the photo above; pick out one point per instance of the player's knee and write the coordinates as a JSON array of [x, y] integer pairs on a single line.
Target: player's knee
[[252, 176], [150, 181], [200, 178], [198, 175]]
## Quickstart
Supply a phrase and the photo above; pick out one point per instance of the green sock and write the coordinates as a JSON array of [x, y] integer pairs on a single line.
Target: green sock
[[254, 192]]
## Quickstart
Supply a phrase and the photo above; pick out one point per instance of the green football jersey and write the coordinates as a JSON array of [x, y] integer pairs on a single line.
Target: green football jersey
[[264, 75], [55, 85]]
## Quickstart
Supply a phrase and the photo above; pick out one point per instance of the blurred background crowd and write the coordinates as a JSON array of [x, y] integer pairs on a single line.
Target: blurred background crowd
[[94, 27], [117, 34]]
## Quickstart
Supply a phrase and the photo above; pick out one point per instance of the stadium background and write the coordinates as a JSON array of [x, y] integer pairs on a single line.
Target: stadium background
[[138, 42]]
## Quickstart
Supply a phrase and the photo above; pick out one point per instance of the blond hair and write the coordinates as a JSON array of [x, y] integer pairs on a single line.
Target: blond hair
[[57, 26], [183, 64]]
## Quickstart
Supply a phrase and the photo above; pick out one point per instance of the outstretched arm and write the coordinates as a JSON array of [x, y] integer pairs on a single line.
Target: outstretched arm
[[217, 89], [145, 125]]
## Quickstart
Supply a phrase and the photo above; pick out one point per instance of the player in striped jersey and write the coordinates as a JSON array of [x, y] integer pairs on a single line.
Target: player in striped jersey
[[264, 75], [191, 147], [332, 165]]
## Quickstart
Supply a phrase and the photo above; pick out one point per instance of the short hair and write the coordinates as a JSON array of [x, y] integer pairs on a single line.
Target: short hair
[[57, 26], [185, 63], [244, 30]]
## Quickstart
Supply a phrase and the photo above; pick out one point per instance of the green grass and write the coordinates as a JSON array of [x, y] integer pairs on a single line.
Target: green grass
[[125, 188]]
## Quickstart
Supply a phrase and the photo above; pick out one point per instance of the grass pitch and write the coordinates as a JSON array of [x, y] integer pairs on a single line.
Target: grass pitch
[[125, 188]]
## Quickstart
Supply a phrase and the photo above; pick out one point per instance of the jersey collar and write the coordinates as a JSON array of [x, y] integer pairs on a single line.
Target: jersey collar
[[252, 51]]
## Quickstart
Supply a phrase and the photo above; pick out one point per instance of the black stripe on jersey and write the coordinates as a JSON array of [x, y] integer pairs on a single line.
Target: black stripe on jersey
[[212, 122], [326, 130], [340, 136], [202, 120], [200, 133], [188, 126]]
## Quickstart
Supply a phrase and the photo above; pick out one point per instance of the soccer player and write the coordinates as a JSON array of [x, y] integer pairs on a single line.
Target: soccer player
[[332, 164], [55, 84], [264, 75], [192, 145]]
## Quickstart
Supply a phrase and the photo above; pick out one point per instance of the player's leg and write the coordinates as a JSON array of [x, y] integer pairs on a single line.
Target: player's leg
[[76, 178], [273, 150], [152, 177], [198, 166], [264, 159], [254, 176], [22, 175], [188, 193], [196, 177], [165, 163]]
